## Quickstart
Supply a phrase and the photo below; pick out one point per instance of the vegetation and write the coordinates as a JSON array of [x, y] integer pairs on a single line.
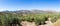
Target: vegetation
[[6, 18], [57, 23]]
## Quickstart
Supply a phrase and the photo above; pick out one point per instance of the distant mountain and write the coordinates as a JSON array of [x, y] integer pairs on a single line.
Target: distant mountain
[[29, 11]]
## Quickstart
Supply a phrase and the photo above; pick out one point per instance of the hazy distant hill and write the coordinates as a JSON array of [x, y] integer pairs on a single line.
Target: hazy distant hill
[[29, 11]]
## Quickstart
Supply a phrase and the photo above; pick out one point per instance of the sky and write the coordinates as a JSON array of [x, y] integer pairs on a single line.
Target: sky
[[13, 5]]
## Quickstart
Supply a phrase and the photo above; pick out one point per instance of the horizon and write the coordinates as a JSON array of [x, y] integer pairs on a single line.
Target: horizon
[[13, 5]]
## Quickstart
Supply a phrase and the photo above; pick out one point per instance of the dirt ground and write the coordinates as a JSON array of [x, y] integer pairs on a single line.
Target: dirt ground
[[25, 23], [57, 23], [49, 23]]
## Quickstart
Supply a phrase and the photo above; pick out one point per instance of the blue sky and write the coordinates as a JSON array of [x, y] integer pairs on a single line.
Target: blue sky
[[13, 5]]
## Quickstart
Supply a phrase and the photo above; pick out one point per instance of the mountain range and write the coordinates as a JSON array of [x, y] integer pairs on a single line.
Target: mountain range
[[29, 11]]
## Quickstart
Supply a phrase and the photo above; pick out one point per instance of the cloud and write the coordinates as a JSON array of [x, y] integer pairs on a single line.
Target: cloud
[[3, 9]]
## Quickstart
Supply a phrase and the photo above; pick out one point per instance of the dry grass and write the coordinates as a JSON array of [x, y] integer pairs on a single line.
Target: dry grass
[[57, 23]]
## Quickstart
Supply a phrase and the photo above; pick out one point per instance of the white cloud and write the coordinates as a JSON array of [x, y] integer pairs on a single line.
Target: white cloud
[[3, 9]]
